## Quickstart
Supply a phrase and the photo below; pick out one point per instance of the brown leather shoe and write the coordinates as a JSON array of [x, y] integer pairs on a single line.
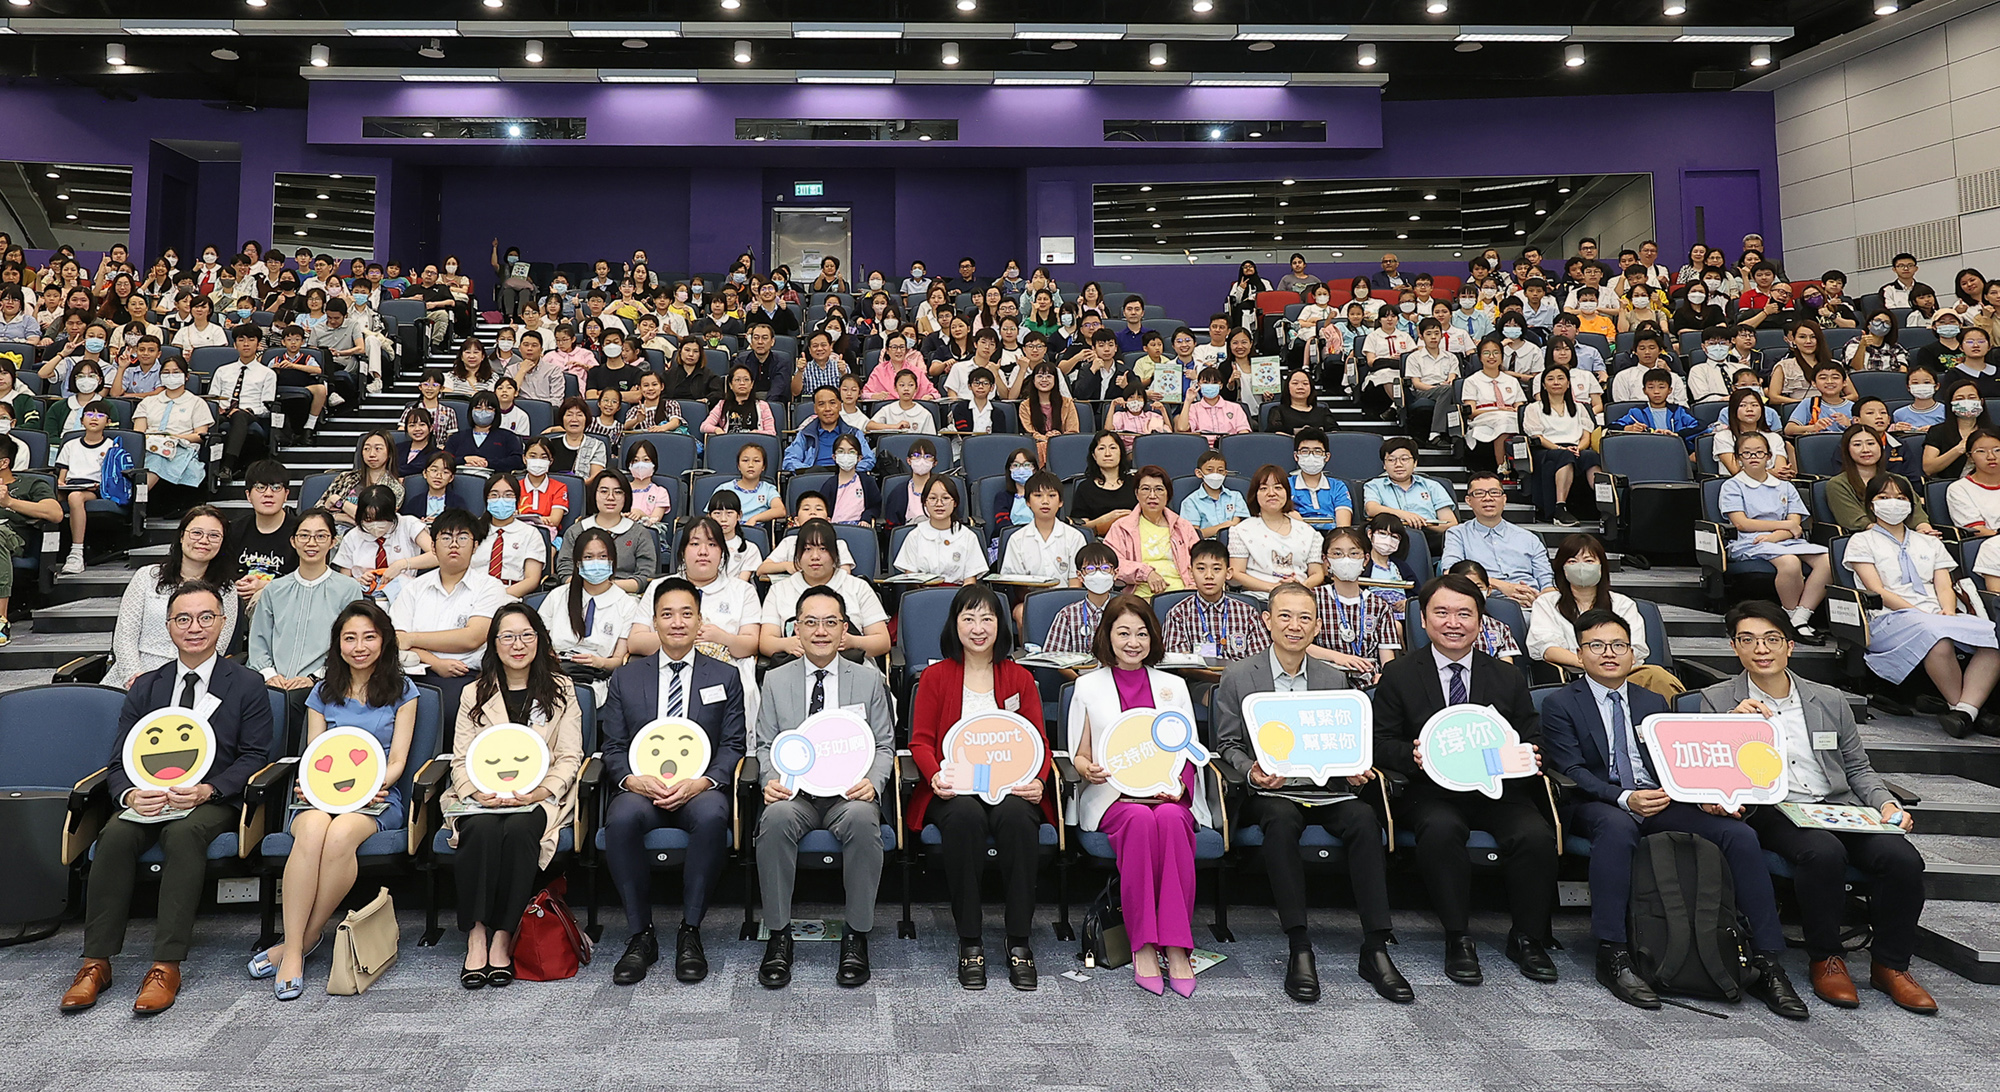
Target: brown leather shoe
[[1832, 983], [157, 992], [93, 978], [1902, 989]]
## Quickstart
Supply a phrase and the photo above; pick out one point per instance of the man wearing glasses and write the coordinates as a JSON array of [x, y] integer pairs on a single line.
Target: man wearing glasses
[[1516, 562], [1827, 764], [232, 698], [1591, 730], [262, 540], [442, 616]]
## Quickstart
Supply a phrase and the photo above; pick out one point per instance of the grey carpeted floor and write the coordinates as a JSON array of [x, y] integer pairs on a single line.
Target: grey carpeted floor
[[913, 1028]]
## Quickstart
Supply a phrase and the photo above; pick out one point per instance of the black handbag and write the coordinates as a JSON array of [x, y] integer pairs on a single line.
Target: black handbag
[[1104, 941]]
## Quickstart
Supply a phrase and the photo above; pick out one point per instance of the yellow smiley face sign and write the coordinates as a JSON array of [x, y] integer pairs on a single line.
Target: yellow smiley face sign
[[169, 749], [507, 760], [342, 770], [671, 749]]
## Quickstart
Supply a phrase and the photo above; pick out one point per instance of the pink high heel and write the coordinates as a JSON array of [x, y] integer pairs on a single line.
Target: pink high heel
[[1182, 986], [1151, 983]]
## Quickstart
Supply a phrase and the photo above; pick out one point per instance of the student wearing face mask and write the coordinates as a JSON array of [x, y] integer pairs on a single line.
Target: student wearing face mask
[[1582, 585], [1945, 445], [1696, 310], [1877, 349]]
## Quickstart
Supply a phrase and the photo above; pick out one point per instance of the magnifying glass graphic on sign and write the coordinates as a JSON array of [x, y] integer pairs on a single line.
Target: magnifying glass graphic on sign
[[793, 756], [1173, 731]]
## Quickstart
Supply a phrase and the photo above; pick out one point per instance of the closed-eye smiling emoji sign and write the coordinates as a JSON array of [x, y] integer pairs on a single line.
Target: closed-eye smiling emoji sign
[[671, 749], [169, 748], [507, 760], [342, 770]]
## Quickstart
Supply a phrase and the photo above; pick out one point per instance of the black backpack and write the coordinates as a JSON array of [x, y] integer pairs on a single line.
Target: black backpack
[[1685, 934], [1103, 934]]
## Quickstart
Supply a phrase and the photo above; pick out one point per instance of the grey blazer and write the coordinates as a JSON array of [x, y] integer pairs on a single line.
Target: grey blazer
[[788, 689], [1847, 768], [1253, 675]]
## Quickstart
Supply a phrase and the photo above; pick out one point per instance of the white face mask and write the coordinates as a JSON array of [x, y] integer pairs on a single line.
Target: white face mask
[[1098, 583], [1891, 510], [1213, 481], [1384, 544], [1312, 464], [173, 381], [875, 283], [1922, 390], [1488, 293], [1587, 306], [642, 470], [922, 465], [6, 426], [1346, 568], [506, 346], [1697, 298], [1321, 299], [378, 528], [846, 460], [451, 267], [87, 384], [1135, 405], [538, 467], [1583, 574]]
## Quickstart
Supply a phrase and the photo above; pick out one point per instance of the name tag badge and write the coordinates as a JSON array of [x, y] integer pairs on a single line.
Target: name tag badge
[[711, 694], [858, 710], [1206, 650], [208, 704], [1826, 741], [1013, 703]]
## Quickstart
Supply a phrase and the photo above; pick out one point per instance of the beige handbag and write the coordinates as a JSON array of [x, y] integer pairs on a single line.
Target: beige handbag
[[364, 947]]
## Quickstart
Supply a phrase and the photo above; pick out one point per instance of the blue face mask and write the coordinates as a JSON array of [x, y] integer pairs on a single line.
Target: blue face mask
[[1211, 390], [482, 417], [93, 345], [595, 571], [500, 508], [242, 312], [1512, 333], [1021, 473], [1717, 352]]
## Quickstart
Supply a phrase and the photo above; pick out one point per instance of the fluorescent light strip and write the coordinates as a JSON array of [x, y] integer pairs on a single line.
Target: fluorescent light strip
[[1289, 33], [1084, 32], [1218, 196], [1350, 193], [181, 28], [1512, 34], [1511, 185], [624, 30], [1735, 34], [1483, 209], [845, 77], [373, 29], [1240, 79], [640, 75], [847, 30], [411, 76], [1041, 79]]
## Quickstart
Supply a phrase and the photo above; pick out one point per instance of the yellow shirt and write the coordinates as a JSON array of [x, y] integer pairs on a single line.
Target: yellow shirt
[[1597, 323], [1156, 548]]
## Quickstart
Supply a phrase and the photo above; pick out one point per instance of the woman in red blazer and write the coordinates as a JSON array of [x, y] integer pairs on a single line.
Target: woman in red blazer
[[976, 676]]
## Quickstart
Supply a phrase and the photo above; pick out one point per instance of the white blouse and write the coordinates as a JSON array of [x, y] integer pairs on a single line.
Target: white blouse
[[954, 554]]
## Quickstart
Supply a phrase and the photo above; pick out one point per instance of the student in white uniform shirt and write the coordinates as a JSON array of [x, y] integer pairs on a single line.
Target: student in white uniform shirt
[[740, 556], [1974, 500], [513, 551], [816, 545], [730, 613], [384, 549], [589, 616], [942, 543], [443, 616], [782, 562]]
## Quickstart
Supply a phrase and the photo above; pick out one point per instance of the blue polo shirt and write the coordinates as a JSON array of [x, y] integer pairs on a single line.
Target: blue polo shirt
[[1320, 503]]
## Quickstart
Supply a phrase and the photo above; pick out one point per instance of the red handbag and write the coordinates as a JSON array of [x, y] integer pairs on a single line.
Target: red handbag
[[549, 944]]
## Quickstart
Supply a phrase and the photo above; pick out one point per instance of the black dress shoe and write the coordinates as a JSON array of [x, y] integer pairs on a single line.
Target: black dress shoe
[[641, 952], [690, 961], [1461, 962], [1021, 968], [1302, 977], [1615, 973], [775, 972], [854, 960], [1531, 956], [1988, 724], [971, 966], [1774, 988], [1378, 970], [1955, 724]]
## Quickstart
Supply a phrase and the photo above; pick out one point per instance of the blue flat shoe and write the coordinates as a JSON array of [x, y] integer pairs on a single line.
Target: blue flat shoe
[[262, 967], [290, 988]]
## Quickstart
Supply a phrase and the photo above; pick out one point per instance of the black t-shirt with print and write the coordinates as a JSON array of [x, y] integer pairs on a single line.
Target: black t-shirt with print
[[256, 552]]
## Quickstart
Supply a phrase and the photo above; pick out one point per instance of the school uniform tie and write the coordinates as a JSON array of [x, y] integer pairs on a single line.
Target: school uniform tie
[[493, 559], [382, 552]]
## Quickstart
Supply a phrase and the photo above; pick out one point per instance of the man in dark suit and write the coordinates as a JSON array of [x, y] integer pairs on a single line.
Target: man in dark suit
[[1283, 807], [233, 699], [1592, 730], [1412, 690], [677, 681], [772, 369]]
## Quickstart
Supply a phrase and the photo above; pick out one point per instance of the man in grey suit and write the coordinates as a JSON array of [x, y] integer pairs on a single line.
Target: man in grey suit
[[822, 679], [1284, 806], [1827, 764]]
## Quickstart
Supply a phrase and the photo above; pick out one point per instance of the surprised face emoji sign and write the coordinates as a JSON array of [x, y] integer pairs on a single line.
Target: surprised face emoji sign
[[169, 748], [671, 749], [507, 760], [342, 770]]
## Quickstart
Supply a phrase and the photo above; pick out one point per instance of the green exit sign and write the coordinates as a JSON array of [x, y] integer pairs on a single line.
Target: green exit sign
[[808, 189]]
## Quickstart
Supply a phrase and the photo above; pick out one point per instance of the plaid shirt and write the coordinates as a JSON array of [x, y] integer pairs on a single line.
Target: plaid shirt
[[1495, 639], [1364, 631], [1073, 628], [1233, 626]]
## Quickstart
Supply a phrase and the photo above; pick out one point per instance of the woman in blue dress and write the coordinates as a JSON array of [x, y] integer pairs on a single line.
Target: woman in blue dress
[[1769, 516], [1919, 621], [364, 688]]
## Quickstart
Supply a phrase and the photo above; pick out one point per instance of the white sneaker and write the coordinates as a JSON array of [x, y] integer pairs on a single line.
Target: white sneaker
[[73, 566], [375, 384], [335, 400]]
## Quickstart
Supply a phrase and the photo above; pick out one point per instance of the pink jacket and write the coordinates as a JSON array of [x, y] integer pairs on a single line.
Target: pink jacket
[[1123, 538], [881, 383]]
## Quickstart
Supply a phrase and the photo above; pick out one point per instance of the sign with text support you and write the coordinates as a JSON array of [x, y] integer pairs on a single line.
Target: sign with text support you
[[1318, 734], [1729, 759], [989, 754]]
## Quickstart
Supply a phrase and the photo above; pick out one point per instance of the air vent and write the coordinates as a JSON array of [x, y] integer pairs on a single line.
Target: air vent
[[1714, 80], [1979, 192], [1931, 239]]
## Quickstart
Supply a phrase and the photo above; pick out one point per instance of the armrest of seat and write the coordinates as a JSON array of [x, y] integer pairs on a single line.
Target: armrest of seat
[[1389, 785], [1221, 792], [1560, 783], [269, 780], [90, 807], [426, 805], [1549, 792], [1711, 540], [262, 795], [84, 669], [1611, 489], [1847, 614], [588, 780]]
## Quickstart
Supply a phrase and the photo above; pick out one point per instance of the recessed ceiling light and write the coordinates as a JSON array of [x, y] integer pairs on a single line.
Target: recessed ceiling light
[[433, 49], [634, 43], [512, 131], [1336, 253], [224, 54], [1215, 134], [312, 215], [1145, 189], [1468, 47], [1125, 257]]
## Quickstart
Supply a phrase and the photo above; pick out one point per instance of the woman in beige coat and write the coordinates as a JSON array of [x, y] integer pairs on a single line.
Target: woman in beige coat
[[502, 851]]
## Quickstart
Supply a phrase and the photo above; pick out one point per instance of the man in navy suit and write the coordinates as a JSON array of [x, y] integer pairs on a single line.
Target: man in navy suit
[[1591, 728], [677, 681], [233, 699]]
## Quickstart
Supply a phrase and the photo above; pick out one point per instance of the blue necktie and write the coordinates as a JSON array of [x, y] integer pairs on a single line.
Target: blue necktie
[[1621, 758], [675, 698], [1457, 684], [590, 624]]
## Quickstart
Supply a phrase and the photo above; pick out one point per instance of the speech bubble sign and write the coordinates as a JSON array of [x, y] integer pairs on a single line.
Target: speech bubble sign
[[1472, 748], [1144, 749], [826, 754], [342, 769], [672, 749], [1729, 759], [989, 754], [1319, 734], [507, 760], [169, 748]]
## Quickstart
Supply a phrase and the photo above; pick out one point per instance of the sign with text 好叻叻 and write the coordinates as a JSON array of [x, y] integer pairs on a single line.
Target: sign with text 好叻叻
[[1472, 748], [988, 754], [1731, 759], [1320, 734], [826, 755]]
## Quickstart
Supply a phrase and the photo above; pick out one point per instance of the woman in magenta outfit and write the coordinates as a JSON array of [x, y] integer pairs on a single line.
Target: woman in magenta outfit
[[1153, 837]]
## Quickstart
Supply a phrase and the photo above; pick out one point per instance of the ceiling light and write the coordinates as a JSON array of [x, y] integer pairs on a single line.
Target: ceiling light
[[1738, 34], [1402, 235], [1152, 208], [1255, 133], [1541, 208], [632, 43], [180, 28], [624, 29], [1281, 223], [1263, 46], [1064, 45], [329, 197], [1156, 225], [402, 28], [1364, 55], [731, 5], [1887, 7], [950, 56], [428, 133], [968, 5], [321, 56], [1240, 79], [1436, 7], [1146, 189], [252, 3], [1282, 204], [845, 77], [534, 52], [333, 176], [62, 193], [1760, 56], [1512, 34], [52, 173], [225, 54], [1467, 47], [1676, 7], [433, 49], [1094, 32], [1215, 134], [494, 3], [742, 52], [1265, 35], [114, 55], [432, 75], [1414, 216], [1430, 195], [300, 231], [1156, 54], [512, 131], [648, 75], [847, 30], [312, 215], [1520, 227], [69, 216], [1573, 56], [1041, 79], [1124, 257], [1288, 182]]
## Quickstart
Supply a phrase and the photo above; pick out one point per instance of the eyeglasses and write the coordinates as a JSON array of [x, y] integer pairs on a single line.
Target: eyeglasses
[[1761, 641], [517, 640], [312, 538], [203, 620], [456, 538], [202, 536], [1599, 648], [822, 623], [1097, 569], [269, 487], [1485, 494]]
